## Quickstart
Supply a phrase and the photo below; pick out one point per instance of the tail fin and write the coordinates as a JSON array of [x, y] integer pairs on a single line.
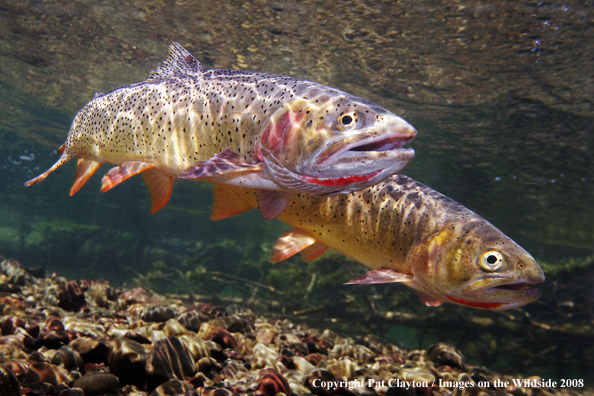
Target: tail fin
[[63, 159]]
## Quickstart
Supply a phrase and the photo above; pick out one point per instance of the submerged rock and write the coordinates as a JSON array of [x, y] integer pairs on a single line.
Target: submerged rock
[[95, 384], [9, 385]]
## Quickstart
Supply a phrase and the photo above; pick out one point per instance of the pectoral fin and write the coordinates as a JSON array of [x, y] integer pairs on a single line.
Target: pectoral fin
[[226, 202], [124, 171], [293, 241], [159, 187], [225, 162], [85, 168], [428, 300], [380, 275], [272, 202]]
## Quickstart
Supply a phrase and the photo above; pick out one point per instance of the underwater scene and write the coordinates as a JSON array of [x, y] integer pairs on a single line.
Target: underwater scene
[[193, 286]]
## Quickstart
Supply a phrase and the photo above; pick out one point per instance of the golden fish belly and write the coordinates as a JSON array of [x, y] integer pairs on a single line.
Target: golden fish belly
[[369, 233]]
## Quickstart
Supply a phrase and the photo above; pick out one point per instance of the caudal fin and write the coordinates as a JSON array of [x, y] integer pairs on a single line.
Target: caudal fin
[[63, 159]]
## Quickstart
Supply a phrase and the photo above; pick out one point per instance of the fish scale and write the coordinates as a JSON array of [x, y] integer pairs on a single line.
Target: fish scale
[[275, 133], [405, 232]]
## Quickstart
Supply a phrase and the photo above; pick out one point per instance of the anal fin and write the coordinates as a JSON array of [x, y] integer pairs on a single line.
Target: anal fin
[[225, 162], [226, 202], [159, 186], [124, 171], [85, 168], [272, 202], [380, 275], [293, 241]]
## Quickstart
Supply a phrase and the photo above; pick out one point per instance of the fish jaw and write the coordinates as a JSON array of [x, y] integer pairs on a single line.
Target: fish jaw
[[507, 290], [304, 150]]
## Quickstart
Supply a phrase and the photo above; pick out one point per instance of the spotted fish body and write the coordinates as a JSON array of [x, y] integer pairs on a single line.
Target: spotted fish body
[[406, 232], [274, 133]]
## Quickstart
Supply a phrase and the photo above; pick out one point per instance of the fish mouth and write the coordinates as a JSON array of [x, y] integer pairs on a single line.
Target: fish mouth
[[366, 154], [386, 144], [509, 294]]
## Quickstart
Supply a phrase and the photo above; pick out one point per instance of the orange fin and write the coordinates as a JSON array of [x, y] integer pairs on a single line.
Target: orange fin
[[290, 243], [124, 171], [226, 202], [65, 157], [85, 168], [225, 162], [380, 275], [159, 187], [314, 251], [428, 300], [272, 202]]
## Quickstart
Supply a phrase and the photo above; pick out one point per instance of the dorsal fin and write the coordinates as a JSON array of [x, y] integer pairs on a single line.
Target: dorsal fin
[[179, 62]]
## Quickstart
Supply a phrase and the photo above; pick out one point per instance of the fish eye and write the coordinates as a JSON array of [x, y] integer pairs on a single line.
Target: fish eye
[[347, 121], [491, 261]]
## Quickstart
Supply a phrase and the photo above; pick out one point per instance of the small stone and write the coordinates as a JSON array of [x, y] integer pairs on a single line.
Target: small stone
[[444, 354], [9, 385], [96, 384], [212, 391], [234, 324], [272, 383], [42, 388], [157, 313], [45, 372], [265, 335], [174, 387], [72, 392], [71, 297], [191, 320], [92, 351], [127, 360], [169, 359], [68, 358], [222, 337], [322, 377], [137, 295]]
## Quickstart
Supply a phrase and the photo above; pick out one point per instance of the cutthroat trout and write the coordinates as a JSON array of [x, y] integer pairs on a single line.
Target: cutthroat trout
[[273, 133], [408, 233]]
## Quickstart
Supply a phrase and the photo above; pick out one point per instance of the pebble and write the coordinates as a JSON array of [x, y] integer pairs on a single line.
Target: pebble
[[96, 384]]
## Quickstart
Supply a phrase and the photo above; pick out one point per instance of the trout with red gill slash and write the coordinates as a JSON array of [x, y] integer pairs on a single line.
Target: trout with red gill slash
[[408, 233], [273, 133]]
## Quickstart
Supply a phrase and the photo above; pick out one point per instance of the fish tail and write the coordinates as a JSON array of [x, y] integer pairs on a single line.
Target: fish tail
[[66, 156]]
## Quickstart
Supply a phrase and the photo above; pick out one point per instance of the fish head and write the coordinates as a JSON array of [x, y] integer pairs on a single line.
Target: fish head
[[476, 265], [333, 144]]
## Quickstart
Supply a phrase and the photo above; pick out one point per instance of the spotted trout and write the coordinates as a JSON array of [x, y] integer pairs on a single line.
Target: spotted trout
[[273, 133], [408, 233]]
